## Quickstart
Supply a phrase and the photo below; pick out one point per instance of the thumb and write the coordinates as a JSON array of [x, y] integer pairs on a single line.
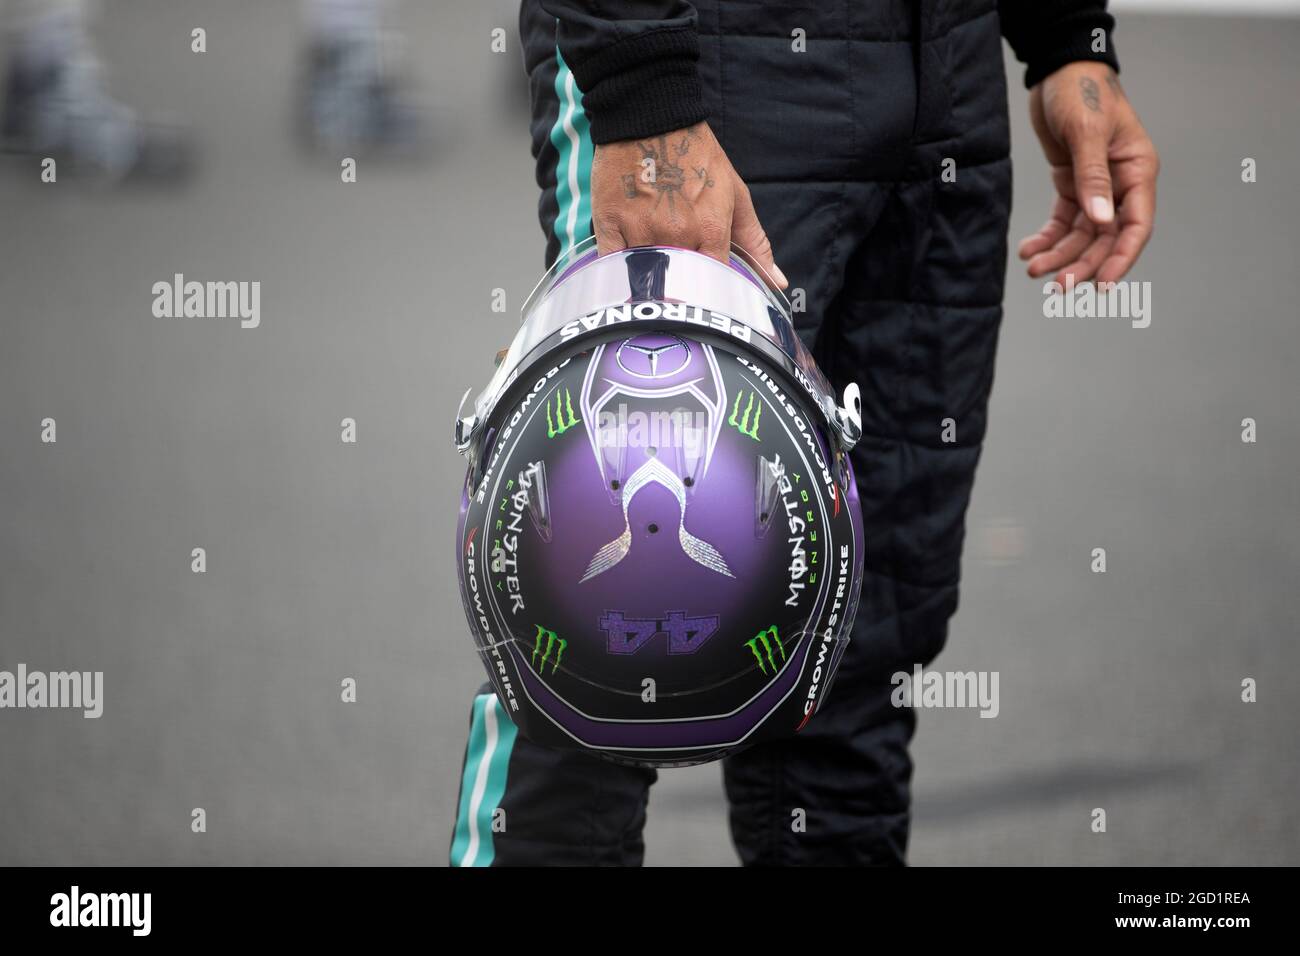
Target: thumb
[[1088, 156], [747, 232]]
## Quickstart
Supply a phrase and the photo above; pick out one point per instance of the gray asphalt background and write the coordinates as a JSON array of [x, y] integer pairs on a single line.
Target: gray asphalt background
[[329, 560]]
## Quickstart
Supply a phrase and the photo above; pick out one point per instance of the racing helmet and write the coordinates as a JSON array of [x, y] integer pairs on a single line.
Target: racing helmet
[[660, 540]]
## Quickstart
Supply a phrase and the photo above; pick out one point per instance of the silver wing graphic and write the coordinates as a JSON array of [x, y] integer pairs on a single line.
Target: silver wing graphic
[[697, 549]]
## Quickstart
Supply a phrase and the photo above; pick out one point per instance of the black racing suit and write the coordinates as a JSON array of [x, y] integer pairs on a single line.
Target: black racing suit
[[843, 145]]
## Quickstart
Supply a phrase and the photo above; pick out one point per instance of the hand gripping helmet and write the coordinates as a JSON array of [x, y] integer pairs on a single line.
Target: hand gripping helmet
[[660, 542]]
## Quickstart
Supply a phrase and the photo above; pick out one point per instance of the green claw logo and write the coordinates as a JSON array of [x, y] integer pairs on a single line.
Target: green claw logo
[[553, 643], [761, 638], [563, 408], [741, 421]]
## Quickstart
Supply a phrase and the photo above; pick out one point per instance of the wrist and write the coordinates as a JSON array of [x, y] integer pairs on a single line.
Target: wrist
[[643, 85], [1051, 34]]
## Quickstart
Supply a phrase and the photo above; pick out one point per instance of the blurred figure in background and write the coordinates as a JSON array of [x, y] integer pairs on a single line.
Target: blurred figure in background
[[353, 91], [56, 104]]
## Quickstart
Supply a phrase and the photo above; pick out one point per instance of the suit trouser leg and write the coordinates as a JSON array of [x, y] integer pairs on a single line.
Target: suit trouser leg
[[525, 805], [903, 283]]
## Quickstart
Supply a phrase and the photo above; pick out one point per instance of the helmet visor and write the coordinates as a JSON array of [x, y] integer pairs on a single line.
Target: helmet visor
[[583, 294]]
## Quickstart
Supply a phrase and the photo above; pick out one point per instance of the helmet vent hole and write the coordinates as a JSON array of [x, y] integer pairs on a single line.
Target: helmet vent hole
[[763, 516], [688, 481], [653, 529], [615, 484], [652, 451]]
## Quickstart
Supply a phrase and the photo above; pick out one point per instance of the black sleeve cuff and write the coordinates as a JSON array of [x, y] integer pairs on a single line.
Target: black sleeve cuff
[[1048, 34], [642, 85]]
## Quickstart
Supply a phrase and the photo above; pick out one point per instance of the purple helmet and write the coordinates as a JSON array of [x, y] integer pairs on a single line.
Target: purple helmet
[[660, 542]]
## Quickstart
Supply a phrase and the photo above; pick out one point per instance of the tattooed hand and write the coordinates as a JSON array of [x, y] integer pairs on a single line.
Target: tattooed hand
[[677, 189], [1104, 167]]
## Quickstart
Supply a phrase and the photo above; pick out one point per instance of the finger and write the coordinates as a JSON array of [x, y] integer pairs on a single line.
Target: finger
[[1088, 154], [1067, 250], [715, 236], [1085, 267], [647, 229], [609, 237], [1052, 231], [747, 232], [1136, 222]]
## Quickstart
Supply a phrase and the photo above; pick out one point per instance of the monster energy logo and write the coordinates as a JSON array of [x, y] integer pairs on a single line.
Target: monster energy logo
[[553, 643], [564, 418], [761, 640], [741, 420]]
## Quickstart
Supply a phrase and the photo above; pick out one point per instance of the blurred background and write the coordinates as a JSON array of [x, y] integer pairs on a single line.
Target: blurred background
[[328, 560]]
